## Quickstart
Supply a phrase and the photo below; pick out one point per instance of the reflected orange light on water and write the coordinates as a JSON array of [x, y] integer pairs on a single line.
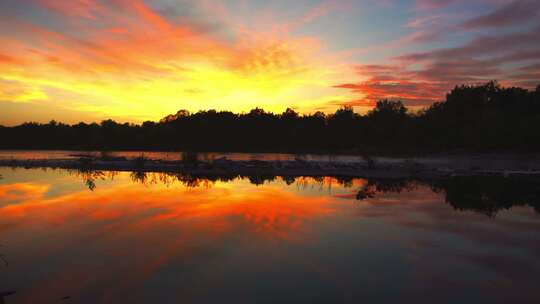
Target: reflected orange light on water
[[109, 237], [21, 192], [163, 220], [216, 208]]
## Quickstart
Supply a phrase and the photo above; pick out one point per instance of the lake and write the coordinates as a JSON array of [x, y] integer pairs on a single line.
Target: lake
[[133, 237], [174, 156]]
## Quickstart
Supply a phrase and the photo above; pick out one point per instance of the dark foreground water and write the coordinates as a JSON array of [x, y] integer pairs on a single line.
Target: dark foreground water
[[106, 237]]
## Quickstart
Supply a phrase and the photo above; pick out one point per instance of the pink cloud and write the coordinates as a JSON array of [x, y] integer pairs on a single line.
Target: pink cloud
[[514, 13], [324, 9], [480, 46], [439, 4], [76, 8], [433, 4], [424, 77]]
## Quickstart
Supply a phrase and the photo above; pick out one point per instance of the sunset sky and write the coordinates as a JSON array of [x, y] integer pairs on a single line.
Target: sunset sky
[[136, 60]]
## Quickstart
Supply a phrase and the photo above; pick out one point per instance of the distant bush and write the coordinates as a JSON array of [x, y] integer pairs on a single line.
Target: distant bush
[[140, 161], [190, 158], [105, 155]]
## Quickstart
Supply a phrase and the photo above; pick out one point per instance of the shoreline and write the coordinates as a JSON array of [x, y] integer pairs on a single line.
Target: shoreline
[[389, 168]]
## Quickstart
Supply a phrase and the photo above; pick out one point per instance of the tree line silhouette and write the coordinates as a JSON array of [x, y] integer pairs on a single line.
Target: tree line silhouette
[[483, 117]]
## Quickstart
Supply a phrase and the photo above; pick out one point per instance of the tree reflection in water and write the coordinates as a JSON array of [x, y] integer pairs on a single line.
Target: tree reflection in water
[[486, 195]]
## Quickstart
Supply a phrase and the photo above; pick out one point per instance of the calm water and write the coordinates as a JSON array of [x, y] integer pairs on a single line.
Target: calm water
[[105, 237], [173, 156], [501, 162]]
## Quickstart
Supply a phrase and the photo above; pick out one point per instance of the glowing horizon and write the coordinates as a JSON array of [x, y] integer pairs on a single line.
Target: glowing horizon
[[89, 60]]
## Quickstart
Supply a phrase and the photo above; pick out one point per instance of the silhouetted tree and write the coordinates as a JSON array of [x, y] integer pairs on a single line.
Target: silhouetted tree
[[485, 117]]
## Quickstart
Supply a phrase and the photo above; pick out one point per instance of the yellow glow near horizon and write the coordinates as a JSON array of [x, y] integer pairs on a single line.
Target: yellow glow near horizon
[[201, 87], [145, 70]]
